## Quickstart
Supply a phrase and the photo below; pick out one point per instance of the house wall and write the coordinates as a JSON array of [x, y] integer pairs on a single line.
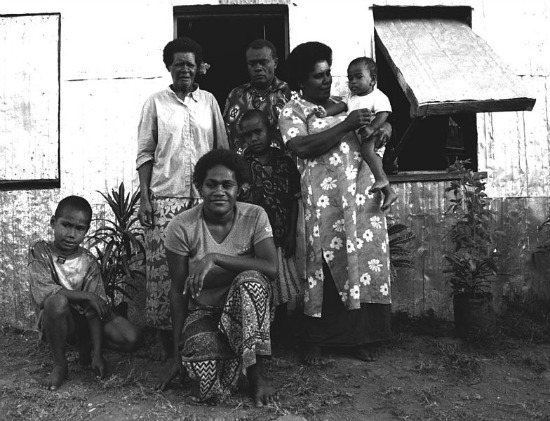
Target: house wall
[[513, 149], [111, 60]]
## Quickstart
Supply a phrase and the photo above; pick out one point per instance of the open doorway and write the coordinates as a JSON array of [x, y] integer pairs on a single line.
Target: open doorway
[[224, 32]]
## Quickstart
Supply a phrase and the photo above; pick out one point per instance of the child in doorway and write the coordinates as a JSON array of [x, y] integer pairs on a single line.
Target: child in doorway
[[362, 74], [276, 188], [68, 293]]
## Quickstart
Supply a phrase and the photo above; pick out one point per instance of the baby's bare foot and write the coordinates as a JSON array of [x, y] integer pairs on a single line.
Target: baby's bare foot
[[389, 197], [55, 378], [379, 185]]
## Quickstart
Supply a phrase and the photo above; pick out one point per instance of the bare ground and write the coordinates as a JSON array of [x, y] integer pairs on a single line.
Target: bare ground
[[424, 373]]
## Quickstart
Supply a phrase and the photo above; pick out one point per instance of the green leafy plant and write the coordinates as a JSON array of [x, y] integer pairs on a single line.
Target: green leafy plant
[[400, 254], [472, 264], [118, 244]]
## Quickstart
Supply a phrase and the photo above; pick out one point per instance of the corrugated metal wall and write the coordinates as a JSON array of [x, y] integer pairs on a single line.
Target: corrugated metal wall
[[421, 206]]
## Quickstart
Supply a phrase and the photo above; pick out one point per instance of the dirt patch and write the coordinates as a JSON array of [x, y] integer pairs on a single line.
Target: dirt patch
[[424, 373]]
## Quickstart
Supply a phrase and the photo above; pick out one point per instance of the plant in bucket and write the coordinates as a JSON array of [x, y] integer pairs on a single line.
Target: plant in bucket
[[472, 263]]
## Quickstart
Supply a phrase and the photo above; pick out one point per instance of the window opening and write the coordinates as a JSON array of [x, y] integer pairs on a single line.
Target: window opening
[[224, 32]]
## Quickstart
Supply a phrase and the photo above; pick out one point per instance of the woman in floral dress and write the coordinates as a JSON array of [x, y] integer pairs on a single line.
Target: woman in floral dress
[[347, 299]]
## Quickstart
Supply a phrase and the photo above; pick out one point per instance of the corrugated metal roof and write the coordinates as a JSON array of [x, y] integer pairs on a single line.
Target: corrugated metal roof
[[444, 67]]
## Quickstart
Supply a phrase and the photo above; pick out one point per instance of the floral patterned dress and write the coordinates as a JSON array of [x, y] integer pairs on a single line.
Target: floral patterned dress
[[344, 224]]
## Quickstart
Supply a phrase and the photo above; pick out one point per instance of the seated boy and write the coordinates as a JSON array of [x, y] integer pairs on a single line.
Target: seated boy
[[362, 75], [67, 290]]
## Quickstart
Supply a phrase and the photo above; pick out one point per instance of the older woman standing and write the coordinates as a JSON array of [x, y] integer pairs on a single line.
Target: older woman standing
[[222, 261], [347, 299], [178, 125]]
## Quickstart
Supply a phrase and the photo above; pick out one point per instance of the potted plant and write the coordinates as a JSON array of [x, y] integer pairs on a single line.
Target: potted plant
[[472, 263], [118, 245]]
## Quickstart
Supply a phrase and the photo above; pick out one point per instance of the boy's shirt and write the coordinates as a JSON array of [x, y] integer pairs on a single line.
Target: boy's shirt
[[49, 272], [274, 186]]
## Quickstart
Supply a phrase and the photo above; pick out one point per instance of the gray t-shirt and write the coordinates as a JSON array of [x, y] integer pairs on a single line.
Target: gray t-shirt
[[188, 235]]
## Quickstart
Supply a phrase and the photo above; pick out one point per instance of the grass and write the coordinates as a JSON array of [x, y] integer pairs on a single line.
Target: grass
[[464, 365], [37, 404]]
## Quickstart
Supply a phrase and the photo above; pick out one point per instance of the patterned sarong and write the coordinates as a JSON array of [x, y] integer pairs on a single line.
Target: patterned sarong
[[288, 285], [217, 343], [157, 306]]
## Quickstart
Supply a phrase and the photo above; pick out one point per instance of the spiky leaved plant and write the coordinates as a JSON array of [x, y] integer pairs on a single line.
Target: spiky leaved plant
[[118, 244]]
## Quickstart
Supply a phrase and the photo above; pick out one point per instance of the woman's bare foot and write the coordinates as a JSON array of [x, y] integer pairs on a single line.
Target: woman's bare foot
[[313, 355], [390, 196], [162, 347], [262, 392], [55, 378], [366, 353]]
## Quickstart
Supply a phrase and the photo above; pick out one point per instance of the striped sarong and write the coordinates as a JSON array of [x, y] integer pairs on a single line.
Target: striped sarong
[[219, 342]]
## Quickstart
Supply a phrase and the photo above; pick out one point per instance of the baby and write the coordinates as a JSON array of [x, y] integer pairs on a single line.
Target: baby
[[362, 74]]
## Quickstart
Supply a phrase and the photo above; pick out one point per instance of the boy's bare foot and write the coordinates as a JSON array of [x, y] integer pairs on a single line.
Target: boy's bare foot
[[262, 392], [313, 355], [379, 185], [390, 196], [55, 378], [99, 365]]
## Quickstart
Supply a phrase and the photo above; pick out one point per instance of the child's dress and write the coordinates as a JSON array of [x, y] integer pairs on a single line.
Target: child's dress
[[275, 185]]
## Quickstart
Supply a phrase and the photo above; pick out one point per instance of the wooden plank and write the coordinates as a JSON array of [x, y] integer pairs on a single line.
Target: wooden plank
[[412, 176], [398, 74], [474, 106], [443, 67], [29, 184]]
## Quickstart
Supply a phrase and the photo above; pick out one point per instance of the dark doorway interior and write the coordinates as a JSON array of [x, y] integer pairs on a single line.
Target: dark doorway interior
[[224, 32]]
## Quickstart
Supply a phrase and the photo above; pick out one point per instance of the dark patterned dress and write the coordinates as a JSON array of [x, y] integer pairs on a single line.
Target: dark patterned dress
[[275, 186]]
